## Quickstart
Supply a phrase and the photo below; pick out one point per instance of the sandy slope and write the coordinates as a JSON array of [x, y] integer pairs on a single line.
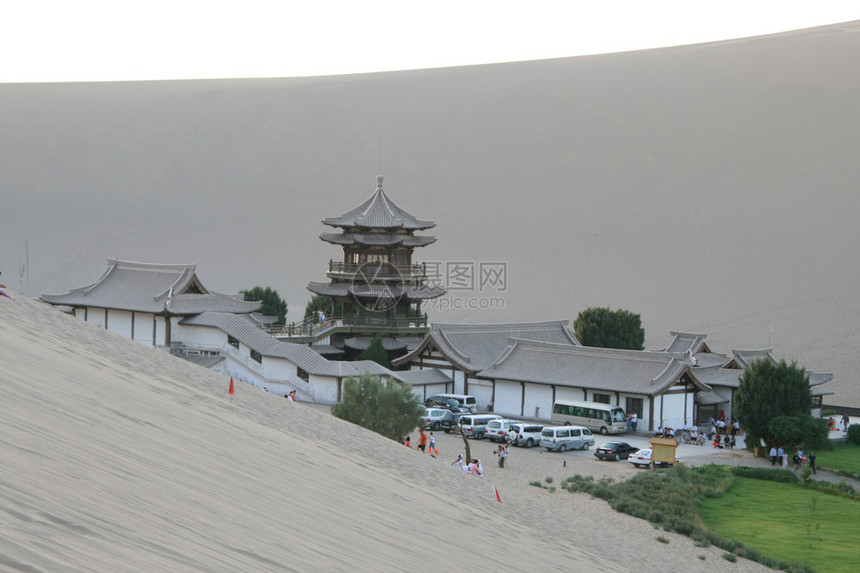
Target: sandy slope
[[710, 188], [117, 457]]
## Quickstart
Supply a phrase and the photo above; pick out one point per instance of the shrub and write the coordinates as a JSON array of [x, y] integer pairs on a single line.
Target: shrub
[[854, 434], [392, 410], [730, 557], [662, 539], [769, 474]]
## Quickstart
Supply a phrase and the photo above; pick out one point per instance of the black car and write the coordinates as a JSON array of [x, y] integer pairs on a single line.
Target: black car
[[447, 403], [614, 451]]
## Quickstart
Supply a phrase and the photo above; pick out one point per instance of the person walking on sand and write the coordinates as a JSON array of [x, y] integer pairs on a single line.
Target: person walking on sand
[[422, 441], [433, 449], [408, 442]]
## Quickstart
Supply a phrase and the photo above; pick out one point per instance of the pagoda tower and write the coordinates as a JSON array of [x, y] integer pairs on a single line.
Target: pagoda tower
[[376, 287]]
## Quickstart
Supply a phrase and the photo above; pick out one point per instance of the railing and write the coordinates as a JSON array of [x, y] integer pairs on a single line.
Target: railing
[[312, 327], [380, 270]]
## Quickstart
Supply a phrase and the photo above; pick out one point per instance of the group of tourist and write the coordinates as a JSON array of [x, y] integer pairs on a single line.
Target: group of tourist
[[474, 467], [779, 456]]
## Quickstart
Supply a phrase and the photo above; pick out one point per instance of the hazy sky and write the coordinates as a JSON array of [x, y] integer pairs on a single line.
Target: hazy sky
[[59, 40]]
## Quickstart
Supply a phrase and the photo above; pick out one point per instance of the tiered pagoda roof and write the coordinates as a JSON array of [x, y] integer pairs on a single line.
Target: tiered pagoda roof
[[379, 212]]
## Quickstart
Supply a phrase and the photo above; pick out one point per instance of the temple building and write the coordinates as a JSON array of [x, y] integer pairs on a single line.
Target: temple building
[[376, 287]]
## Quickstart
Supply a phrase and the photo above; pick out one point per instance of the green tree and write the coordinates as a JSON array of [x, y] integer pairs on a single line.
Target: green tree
[[768, 391], [392, 410], [794, 431], [376, 352], [273, 304], [604, 328], [323, 303]]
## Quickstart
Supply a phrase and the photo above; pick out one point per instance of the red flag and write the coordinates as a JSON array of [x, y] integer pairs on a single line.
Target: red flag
[[232, 389], [498, 498]]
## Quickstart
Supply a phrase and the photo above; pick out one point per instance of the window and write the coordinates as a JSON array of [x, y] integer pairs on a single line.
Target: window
[[600, 398], [233, 341], [302, 374], [257, 356], [634, 405], [353, 258], [377, 258]]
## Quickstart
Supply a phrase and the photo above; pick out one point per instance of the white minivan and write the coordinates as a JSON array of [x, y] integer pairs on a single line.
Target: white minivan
[[563, 438], [475, 425]]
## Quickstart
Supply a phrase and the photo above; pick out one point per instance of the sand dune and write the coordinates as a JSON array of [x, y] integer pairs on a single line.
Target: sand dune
[[117, 457], [710, 188]]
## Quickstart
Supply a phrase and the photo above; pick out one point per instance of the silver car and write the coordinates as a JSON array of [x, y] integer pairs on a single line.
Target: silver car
[[563, 438], [523, 434]]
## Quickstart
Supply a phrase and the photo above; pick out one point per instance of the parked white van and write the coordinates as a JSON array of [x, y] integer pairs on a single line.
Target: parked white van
[[563, 438], [475, 425], [465, 401]]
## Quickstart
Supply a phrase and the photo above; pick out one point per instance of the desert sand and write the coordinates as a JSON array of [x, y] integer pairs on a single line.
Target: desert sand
[[709, 188], [118, 457]]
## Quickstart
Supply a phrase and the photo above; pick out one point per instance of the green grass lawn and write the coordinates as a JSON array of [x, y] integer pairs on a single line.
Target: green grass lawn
[[771, 517], [844, 456]]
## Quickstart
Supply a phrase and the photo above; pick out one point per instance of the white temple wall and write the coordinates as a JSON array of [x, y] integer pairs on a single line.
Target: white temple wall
[[508, 400], [323, 389], [142, 327], [119, 322], [538, 402]]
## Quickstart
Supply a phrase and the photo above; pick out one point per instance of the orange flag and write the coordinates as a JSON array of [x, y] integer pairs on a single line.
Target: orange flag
[[232, 389], [498, 497]]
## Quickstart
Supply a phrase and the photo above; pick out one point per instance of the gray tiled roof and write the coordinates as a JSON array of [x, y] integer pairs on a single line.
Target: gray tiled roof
[[244, 331], [686, 342], [427, 376], [631, 371], [377, 240], [145, 287], [717, 376], [711, 398], [747, 357], [213, 302], [363, 290], [302, 356], [472, 347], [379, 212], [363, 343]]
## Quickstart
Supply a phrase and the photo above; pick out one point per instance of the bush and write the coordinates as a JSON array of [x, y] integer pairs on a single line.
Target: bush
[[768, 474], [392, 410], [730, 557], [854, 434]]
